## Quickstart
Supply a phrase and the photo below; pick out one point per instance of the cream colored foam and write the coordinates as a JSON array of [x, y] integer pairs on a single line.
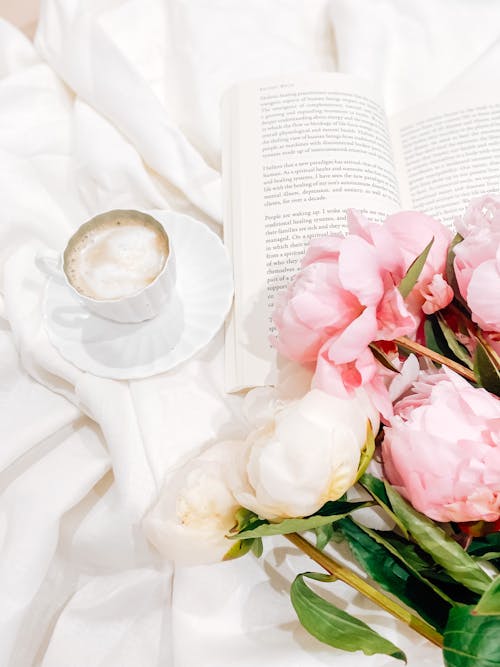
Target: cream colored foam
[[116, 259]]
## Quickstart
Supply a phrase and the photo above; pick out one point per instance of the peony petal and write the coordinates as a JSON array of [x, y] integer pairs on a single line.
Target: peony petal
[[393, 317], [388, 251], [360, 271], [405, 378], [328, 376], [483, 212], [325, 249], [325, 304], [413, 231], [377, 391], [358, 224], [483, 296], [355, 338]]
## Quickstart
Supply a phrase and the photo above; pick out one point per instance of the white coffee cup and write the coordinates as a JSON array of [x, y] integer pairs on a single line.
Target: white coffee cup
[[120, 265]]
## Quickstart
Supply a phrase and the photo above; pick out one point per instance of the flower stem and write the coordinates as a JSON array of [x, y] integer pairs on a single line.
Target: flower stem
[[412, 346], [352, 579]]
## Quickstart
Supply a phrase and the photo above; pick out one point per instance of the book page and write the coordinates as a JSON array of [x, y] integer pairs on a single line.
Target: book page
[[296, 154], [448, 152]]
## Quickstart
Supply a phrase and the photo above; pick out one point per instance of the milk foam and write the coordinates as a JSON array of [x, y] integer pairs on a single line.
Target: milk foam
[[116, 259]]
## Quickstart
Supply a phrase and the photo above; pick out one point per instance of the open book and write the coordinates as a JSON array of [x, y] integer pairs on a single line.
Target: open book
[[298, 152]]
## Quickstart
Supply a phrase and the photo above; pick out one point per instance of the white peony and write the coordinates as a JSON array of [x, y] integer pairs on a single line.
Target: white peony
[[306, 454], [301, 452], [196, 509]]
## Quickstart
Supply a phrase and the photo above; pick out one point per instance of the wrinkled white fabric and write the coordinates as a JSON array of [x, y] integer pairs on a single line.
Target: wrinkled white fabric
[[413, 50], [117, 105]]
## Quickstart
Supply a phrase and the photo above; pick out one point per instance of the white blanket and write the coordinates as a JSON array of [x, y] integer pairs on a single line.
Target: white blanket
[[117, 105]]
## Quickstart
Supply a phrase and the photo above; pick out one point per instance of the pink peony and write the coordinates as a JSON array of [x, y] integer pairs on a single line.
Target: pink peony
[[346, 296], [442, 449], [412, 232], [477, 261]]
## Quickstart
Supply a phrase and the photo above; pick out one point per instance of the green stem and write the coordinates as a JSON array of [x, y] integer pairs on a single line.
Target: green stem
[[412, 346], [352, 579]]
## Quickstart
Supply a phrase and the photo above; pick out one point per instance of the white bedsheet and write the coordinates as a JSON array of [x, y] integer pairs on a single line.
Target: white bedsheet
[[116, 105]]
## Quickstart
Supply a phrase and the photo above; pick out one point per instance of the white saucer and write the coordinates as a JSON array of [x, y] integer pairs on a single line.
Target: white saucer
[[204, 291]]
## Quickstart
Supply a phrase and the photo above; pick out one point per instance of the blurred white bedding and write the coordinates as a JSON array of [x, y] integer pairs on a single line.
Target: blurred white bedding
[[117, 105]]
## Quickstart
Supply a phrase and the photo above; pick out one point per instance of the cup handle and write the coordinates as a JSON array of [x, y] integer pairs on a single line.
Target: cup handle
[[50, 264]]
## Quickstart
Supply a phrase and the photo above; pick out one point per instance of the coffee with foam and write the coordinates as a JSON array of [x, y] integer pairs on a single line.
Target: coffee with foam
[[116, 258]]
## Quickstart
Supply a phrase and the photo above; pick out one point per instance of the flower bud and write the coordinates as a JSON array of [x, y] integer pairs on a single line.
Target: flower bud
[[196, 509]]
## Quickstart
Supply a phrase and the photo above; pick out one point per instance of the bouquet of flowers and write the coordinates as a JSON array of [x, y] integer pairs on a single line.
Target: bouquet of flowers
[[383, 432]]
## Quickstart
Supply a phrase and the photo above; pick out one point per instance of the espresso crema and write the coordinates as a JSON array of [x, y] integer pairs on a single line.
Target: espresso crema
[[116, 258]]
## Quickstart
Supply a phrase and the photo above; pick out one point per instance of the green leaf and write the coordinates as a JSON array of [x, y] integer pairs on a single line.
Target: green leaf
[[481, 545], [331, 511], [376, 488], [440, 338], [486, 370], [395, 574], [367, 451], [459, 351], [414, 271], [486, 547], [434, 338], [382, 358], [333, 626], [451, 278], [471, 641], [406, 553], [239, 549], [489, 555], [323, 535], [243, 518], [257, 547], [443, 549], [418, 560], [489, 604], [450, 270]]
